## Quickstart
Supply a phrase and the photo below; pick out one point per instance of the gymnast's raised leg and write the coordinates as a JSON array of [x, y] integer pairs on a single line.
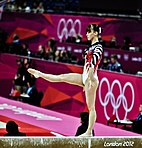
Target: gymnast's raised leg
[[71, 78]]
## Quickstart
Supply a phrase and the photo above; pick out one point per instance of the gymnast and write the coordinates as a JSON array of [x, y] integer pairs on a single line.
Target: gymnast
[[89, 79]]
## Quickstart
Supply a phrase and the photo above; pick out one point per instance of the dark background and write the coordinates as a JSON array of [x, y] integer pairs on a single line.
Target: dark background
[[112, 6]]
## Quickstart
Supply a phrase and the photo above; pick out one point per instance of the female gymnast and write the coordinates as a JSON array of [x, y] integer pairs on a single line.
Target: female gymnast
[[89, 79]]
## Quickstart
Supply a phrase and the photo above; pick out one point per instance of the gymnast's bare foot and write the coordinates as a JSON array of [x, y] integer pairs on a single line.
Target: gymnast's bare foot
[[85, 135], [34, 72]]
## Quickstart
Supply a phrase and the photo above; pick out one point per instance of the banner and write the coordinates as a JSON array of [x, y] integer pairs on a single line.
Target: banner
[[118, 94], [36, 29]]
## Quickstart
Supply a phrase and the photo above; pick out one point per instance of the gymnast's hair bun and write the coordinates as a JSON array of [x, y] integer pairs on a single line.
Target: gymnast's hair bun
[[94, 27]]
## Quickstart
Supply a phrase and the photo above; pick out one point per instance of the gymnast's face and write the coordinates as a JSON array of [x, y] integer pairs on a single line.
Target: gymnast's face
[[91, 34], [140, 108]]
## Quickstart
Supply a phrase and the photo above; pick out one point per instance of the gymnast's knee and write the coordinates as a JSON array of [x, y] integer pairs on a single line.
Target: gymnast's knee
[[61, 77], [91, 108]]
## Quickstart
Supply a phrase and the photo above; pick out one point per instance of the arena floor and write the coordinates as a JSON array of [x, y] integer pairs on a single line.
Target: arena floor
[[36, 121]]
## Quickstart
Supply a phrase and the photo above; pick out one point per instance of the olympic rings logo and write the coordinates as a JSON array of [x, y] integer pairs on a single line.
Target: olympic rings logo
[[116, 102], [68, 28]]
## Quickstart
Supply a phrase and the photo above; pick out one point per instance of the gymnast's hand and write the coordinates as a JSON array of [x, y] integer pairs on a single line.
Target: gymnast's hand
[[34, 72]]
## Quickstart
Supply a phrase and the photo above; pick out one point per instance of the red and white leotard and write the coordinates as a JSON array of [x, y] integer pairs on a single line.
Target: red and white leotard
[[93, 56]]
